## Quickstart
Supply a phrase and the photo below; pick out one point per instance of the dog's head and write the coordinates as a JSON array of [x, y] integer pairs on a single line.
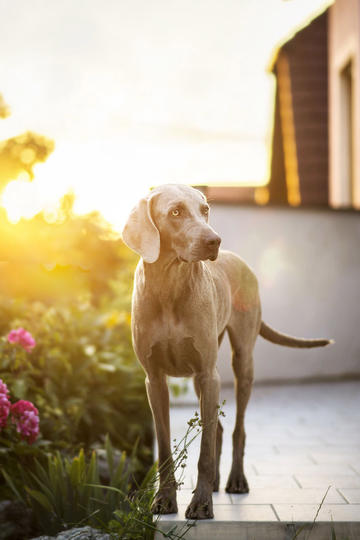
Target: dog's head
[[172, 219]]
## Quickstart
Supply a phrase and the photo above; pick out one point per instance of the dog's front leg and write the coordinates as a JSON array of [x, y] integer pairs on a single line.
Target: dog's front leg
[[201, 506], [158, 394]]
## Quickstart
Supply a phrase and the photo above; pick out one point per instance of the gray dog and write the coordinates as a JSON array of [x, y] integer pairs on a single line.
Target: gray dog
[[186, 295]]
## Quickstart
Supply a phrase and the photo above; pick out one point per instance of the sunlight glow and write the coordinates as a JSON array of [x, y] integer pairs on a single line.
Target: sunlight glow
[[186, 98], [19, 200], [110, 176]]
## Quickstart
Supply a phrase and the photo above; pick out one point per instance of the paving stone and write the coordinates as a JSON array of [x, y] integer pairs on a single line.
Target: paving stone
[[351, 495], [221, 530], [300, 440], [284, 495], [279, 459], [336, 457], [328, 512], [271, 481], [351, 480], [268, 467]]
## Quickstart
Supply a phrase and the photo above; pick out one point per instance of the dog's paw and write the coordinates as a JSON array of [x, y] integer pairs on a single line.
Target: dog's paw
[[164, 502], [237, 483], [201, 507]]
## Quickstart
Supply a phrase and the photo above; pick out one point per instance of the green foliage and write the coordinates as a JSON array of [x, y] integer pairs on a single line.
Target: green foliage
[[56, 258], [65, 493], [68, 492], [82, 374]]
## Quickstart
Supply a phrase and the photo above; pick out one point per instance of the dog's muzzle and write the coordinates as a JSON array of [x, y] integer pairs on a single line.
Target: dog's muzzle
[[212, 244]]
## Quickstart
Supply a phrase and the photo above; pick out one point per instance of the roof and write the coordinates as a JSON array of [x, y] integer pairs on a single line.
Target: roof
[[293, 33]]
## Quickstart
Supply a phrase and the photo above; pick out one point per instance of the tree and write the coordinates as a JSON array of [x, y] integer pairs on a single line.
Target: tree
[[19, 154]]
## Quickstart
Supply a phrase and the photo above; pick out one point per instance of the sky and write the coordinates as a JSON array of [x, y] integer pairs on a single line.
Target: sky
[[137, 93]]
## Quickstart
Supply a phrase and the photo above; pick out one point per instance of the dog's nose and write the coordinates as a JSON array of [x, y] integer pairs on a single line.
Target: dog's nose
[[214, 241]]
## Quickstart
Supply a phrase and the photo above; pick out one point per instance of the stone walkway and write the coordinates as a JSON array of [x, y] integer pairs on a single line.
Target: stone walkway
[[303, 444]]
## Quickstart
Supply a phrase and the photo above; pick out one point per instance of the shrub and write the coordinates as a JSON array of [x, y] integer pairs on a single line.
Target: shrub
[[65, 493], [82, 377]]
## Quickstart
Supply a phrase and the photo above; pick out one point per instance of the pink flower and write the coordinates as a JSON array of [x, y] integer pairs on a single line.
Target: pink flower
[[4, 410], [26, 418], [4, 404], [3, 388], [22, 337]]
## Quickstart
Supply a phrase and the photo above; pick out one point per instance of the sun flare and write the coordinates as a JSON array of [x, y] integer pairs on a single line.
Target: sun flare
[[110, 176]]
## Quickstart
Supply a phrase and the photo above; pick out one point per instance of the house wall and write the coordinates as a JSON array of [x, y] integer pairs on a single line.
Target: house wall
[[344, 46], [308, 266]]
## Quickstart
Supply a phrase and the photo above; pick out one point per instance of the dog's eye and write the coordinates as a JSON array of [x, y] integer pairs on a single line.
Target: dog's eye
[[175, 212]]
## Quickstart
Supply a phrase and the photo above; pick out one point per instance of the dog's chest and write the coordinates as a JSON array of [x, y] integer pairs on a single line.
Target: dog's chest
[[177, 357]]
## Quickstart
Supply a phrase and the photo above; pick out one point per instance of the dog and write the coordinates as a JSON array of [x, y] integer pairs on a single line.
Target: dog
[[187, 294]]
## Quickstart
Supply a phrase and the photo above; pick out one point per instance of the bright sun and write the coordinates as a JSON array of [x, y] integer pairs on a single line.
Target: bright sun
[[110, 176]]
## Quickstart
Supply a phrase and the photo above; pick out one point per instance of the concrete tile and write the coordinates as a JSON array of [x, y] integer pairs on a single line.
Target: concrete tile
[[260, 450], [299, 439], [247, 512], [355, 467], [351, 495], [328, 512], [271, 481], [351, 434], [282, 459], [288, 495], [336, 457], [227, 530], [317, 448], [263, 467], [288, 428], [338, 481]]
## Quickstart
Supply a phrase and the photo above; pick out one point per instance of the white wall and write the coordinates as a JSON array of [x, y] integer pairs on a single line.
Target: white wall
[[308, 266]]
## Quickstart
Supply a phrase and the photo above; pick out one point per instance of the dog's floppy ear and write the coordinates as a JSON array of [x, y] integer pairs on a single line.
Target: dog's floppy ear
[[140, 232]]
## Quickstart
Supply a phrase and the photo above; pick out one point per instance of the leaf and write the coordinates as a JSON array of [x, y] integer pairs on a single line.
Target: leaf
[[75, 472], [150, 478], [110, 488], [40, 498], [44, 488], [119, 478], [109, 454], [93, 473], [41, 472], [12, 485]]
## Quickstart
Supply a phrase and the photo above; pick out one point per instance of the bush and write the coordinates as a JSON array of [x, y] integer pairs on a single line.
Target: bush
[[65, 493], [82, 376]]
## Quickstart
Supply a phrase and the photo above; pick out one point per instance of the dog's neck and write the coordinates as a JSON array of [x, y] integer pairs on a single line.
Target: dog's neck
[[169, 274]]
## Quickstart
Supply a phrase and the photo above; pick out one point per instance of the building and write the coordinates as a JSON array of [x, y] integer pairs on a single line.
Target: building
[[315, 158], [315, 150]]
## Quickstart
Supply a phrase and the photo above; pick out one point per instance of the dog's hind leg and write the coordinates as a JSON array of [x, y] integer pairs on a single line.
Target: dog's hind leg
[[243, 371]]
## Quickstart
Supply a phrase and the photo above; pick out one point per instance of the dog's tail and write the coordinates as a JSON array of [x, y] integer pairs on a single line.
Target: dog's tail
[[288, 341]]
